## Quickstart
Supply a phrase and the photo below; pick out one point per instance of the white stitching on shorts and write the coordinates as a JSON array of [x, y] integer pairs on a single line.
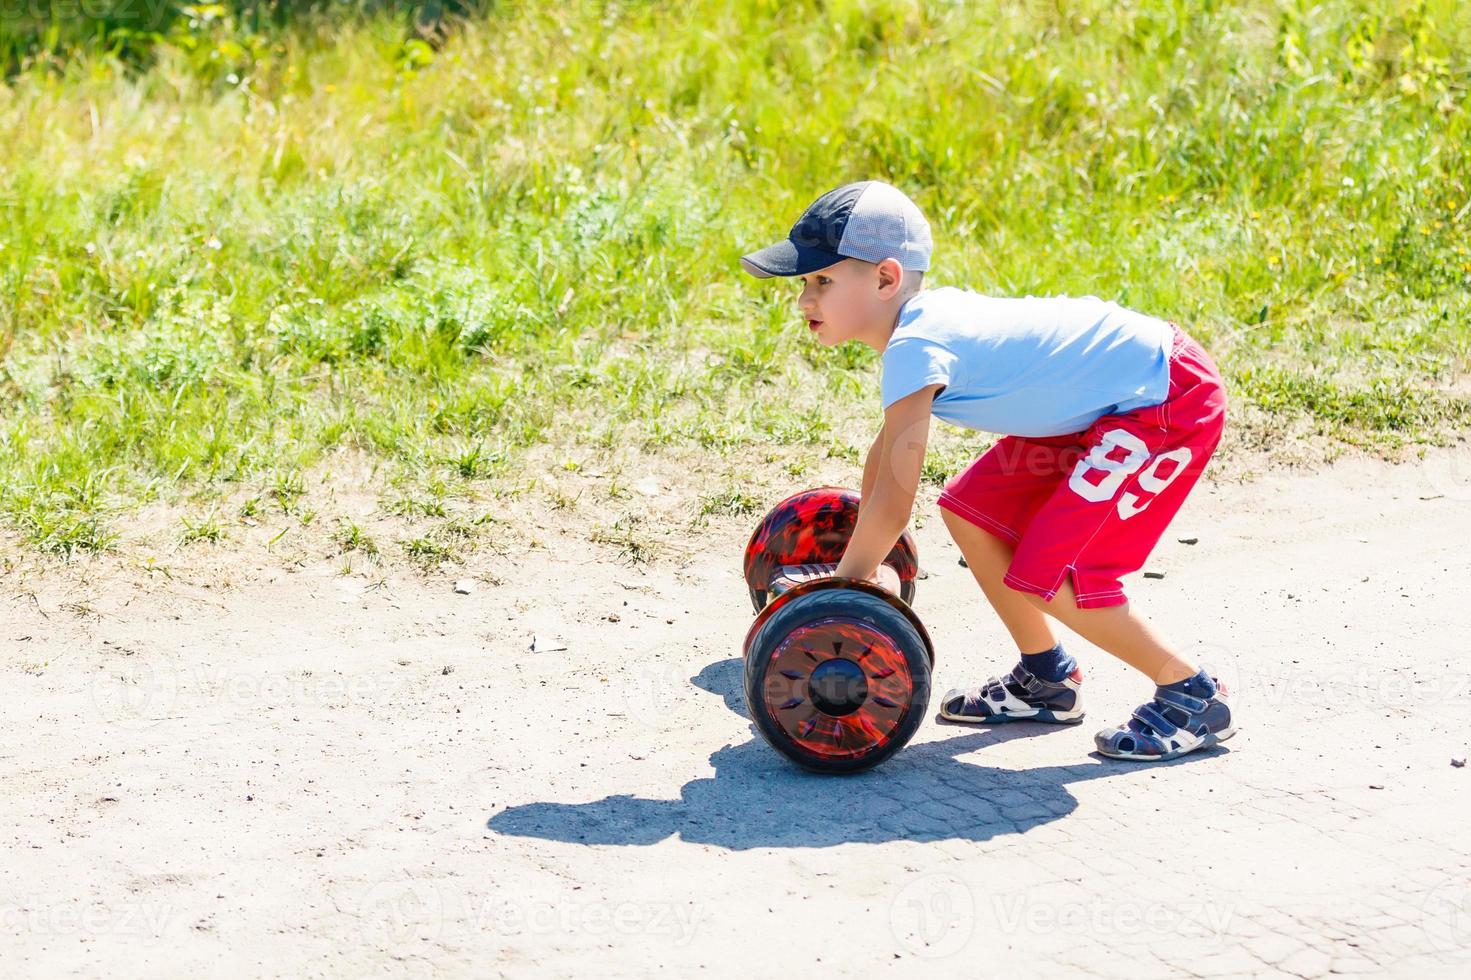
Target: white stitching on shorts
[[1080, 603], [1011, 576], [967, 510]]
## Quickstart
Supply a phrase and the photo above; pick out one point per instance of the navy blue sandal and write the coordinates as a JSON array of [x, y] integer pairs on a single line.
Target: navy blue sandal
[[1168, 727], [1019, 696]]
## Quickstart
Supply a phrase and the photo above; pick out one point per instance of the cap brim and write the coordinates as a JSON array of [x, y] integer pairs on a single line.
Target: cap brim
[[787, 258]]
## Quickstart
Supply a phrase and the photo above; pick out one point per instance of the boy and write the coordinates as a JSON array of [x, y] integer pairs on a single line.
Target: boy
[[1108, 417]]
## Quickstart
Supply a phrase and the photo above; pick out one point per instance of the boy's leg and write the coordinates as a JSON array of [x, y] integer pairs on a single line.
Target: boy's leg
[[989, 557], [1114, 629], [1118, 630], [985, 508]]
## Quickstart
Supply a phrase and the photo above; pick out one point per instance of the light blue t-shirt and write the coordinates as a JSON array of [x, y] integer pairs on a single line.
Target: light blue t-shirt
[[1027, 366]]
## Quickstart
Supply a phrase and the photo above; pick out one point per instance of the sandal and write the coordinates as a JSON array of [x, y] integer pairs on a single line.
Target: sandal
[[1169, 726], [1019, 696]]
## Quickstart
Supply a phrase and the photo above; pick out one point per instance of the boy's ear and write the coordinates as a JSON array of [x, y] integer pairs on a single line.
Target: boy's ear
[[890, 274]]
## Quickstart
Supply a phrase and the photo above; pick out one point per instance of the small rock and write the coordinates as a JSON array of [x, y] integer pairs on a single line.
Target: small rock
[[1154, 574], [541, 645], [1459, 763], [963, 564], [613, 617], [465, 586], [1189, 540], [1376, 786], [447, 669]]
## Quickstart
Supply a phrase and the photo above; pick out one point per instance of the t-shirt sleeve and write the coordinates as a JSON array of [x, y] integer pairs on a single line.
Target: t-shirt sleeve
[[912, 363]]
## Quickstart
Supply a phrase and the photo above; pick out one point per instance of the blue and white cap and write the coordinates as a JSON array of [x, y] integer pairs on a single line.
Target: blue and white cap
[[869, 220]]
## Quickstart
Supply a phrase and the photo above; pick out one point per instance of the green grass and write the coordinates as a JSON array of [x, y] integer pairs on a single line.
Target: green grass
[[351, 537], [205, 529], [246, 247], [729, 502]]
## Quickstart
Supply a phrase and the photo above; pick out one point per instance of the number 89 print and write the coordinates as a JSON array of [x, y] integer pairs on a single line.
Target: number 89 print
[[1115, 470]]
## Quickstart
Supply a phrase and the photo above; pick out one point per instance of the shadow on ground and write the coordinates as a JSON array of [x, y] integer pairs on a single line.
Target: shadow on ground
[[759, 799]]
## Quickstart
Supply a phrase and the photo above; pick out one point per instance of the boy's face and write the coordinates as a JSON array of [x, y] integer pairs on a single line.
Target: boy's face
[[848, 301]]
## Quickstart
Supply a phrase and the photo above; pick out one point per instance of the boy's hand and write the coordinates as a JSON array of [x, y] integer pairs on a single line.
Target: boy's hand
[[895, 473]]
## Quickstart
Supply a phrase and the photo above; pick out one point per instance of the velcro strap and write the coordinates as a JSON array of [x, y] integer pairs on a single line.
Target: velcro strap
[[995, 684], [1151, 716], [1024, 678], [1186, 702]]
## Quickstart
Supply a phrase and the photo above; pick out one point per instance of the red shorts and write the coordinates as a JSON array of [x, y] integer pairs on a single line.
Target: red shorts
[[1095, 502]]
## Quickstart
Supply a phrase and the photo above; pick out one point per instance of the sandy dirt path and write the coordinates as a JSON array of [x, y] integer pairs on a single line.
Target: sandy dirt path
[[306, 776]]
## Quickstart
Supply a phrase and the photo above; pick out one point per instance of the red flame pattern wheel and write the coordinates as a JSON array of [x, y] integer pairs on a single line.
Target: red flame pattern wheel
[[837, 674], [859, 707]]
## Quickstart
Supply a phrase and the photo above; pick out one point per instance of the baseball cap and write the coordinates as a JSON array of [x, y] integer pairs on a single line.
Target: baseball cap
[[868, 220]]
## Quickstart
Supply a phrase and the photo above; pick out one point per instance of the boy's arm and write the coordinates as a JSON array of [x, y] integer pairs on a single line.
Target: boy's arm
[[896, 471], [870, 468]]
